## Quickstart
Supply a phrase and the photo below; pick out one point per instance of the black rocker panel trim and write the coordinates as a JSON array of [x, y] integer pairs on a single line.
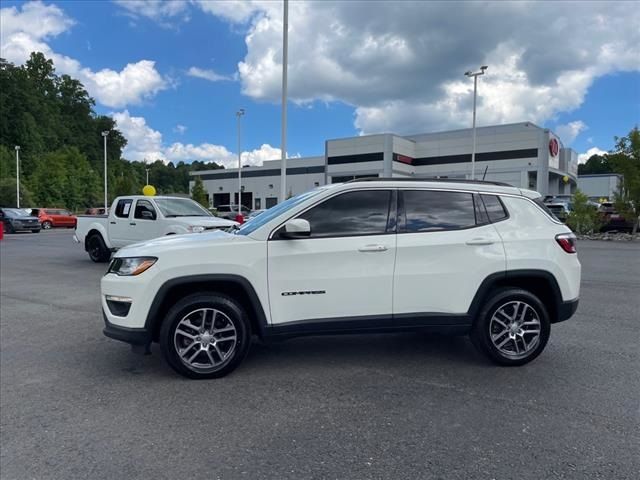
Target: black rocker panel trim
[[372, 324]]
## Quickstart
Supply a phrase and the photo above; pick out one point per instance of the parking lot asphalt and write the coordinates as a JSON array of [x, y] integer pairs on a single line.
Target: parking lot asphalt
[[74, 404]]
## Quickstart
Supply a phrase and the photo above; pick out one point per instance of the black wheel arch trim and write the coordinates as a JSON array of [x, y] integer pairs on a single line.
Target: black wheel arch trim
[[563, 310], [154, 315]]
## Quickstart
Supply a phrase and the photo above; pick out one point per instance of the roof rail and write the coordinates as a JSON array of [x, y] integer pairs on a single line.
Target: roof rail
[[427, 179]]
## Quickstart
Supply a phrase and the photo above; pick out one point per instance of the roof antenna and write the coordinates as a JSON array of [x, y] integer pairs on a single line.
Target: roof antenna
[[485, 172]]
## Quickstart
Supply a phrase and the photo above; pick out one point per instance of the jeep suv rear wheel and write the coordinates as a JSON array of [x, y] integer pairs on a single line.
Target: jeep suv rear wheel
[[513, 327], [205, 335]]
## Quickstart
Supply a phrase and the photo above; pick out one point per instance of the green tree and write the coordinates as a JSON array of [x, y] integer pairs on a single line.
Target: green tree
[[596, 164], [199, 193], [584, 217], [625, 159]]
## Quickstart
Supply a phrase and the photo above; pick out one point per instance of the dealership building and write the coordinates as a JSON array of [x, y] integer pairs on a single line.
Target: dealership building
[[520, 154]]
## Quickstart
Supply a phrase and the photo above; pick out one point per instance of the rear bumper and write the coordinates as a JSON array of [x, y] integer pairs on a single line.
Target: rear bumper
[[566, 310], [133, 336]]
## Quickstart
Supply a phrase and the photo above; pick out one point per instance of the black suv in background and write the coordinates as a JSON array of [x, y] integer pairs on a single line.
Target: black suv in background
[[16, 219]]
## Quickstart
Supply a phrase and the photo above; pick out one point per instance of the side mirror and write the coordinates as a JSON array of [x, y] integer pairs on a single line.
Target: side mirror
[[147, 215], [296, 228]]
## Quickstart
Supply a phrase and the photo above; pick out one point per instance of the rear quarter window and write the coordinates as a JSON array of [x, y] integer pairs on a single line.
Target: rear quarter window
[[495, 208]]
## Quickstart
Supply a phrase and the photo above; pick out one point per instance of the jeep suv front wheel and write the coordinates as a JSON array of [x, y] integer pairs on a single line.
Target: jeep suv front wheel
[[512, 328], [205, 335]]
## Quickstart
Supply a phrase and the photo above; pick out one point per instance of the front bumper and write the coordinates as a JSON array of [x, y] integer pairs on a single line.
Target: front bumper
[[133, 336], [566, 310]]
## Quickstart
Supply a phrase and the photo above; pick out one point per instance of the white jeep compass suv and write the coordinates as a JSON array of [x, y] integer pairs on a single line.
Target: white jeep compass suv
[[369, 255]]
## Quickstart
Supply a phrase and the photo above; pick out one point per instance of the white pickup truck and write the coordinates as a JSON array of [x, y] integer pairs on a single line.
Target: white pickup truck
[[138, 218]]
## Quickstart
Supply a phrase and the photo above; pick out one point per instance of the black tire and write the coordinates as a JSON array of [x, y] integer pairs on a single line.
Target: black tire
[[35, 231], [47, 225], [97, 250], [8, 228], [229, 313], [507, 300]]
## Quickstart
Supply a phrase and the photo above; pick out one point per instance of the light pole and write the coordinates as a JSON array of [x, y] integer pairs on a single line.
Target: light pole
[[283, 143], [239, 114], [475, 76], [105, 133], [147, 170], [17, 176]]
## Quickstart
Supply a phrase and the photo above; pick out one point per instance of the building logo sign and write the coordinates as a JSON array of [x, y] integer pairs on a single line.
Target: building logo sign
[[554, 147]]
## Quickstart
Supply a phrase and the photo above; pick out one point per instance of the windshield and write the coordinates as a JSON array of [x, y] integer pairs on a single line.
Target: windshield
[[273, 212], [14, 212], [181, 207]]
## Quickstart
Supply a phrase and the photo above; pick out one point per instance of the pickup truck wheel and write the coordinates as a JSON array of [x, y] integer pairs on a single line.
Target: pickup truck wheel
[[46, 225], [513, 327], [98, 251], [205, 335]]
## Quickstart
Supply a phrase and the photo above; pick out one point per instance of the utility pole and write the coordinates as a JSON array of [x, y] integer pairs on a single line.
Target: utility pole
[[283, 143], [105, 134], [17, 176], [475, 76], [239, 114]]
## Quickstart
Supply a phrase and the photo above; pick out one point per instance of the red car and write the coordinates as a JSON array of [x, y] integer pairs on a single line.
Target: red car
[[54, 217]]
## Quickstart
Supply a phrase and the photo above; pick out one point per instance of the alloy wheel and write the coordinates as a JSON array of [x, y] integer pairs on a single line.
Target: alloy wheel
[[515, 329], [205, 339]]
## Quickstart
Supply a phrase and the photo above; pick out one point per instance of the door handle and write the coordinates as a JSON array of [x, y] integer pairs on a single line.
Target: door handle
[[480, 241], [132, 223], [112, 223], [373, 248]]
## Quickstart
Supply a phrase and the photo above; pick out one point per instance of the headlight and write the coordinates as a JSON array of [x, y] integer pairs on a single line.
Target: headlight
[[129, 266], [196, 228]]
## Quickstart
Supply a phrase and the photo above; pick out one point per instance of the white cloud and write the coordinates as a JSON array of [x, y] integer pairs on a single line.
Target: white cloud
[[143, 142], [401, 64], [179, 129], [235, 11], [28, 29], [146, 144], [207, 74], [583, 157], [570, 131], [164, 12]]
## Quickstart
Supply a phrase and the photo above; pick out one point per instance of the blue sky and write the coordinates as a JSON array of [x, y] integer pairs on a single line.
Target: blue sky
[[353, 70]]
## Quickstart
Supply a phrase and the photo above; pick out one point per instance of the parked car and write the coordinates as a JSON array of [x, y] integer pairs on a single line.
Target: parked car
[[230, 211], [255, 213], [137, 218], [17, 219], [365, 256], [612, 220], [560, 210], [54, 217]]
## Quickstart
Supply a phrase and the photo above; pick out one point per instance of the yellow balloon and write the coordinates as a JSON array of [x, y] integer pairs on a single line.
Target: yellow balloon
[[565, 179], [149, 190]]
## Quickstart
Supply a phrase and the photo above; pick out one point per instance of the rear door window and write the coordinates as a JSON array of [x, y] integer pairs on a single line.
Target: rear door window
[[123, 208], [432, 211]]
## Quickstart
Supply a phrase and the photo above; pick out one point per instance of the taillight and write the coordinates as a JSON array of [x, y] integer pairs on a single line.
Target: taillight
[[567, 241]]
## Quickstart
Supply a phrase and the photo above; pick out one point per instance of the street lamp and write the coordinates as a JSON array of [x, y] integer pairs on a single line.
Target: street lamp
[[147, 170], [475, 76], [239, 114], [17, 176], [283, 143], [105, 133]]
